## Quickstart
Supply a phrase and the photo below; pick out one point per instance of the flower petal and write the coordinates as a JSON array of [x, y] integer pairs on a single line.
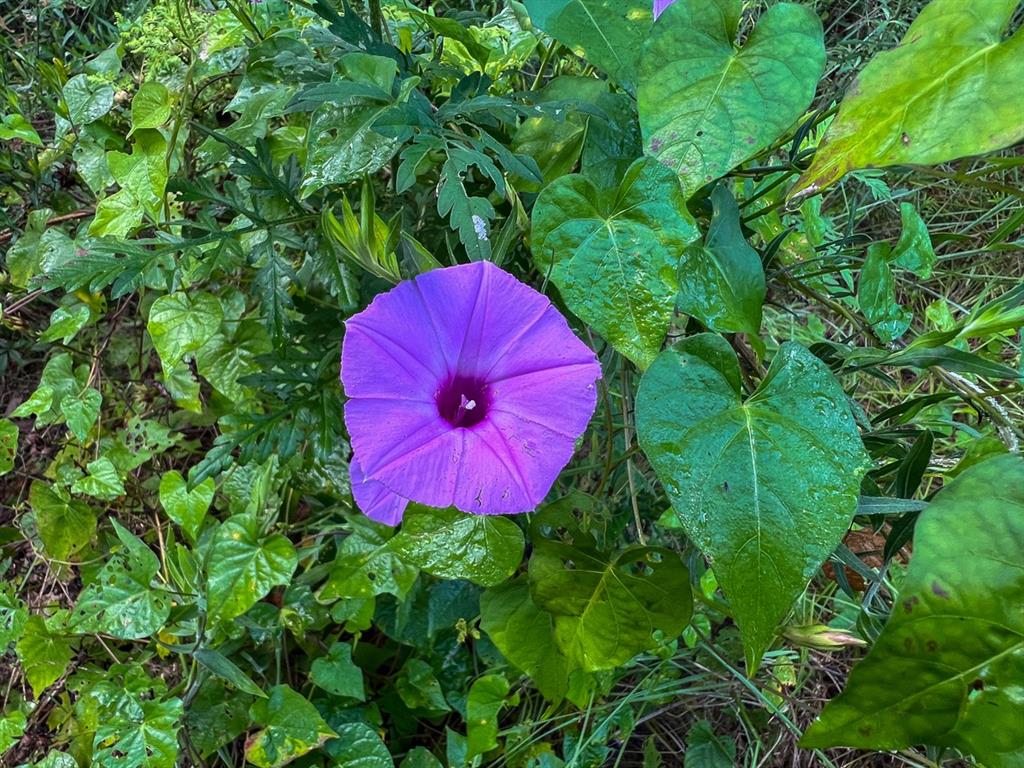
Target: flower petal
[[547, 343], [561, 399], [374, 499]]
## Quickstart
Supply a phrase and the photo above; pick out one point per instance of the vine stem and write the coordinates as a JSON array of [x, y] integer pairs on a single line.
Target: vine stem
[[627, 433]]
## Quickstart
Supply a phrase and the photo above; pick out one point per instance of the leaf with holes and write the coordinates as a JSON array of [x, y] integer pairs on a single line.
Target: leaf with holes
[[139, 733], [707, 105], [366, 565], [613, 253], [245, 565], [486, 549], [749, 478], [955, 640], [951, 88], [122, 602]]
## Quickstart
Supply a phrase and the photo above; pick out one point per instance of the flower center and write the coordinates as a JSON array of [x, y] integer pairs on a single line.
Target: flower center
[[463, 401]]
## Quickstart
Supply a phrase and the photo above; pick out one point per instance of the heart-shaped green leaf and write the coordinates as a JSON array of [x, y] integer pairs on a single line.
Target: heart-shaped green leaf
[[292, 726], [707, 105], [607, 33], [244, 565], [748, 479], [613, 253], [486, 549], [722, 282], [955, 640], [950, 89], [186, 508]]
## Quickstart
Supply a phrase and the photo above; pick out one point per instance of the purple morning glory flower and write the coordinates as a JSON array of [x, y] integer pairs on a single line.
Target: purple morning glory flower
[[465, 388], [660, 6]]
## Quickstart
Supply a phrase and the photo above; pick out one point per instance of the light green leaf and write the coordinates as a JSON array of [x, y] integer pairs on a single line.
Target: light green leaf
[[707, 105], [336, 673], [722, 282], [8, 445], [876, 295], [485, 700], [17, 127], [122, 601], [607, 606], [44, 655], [946, 669], [366, 566], [749, 478], [65, 323], [525, 635], [11, 727], [223, 361], [23, 257], [151, 106], [245, 565], [291, 728], [102, 480], [65, 526], [186, 508], [143, 173], [180, 323], [87, 101], [445, 542], [361, 747], [116, 215], [81, 412], [948, 90], [57, 759], [914, 250], [38, 403], [607, 33], [13, 615], [139, 733], [613, 253]]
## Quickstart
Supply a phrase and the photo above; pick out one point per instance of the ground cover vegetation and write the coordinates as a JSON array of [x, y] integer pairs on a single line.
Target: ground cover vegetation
[[680, 414]]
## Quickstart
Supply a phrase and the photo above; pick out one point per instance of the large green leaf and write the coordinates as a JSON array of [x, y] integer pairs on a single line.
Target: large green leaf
[[245, 565], [43, 652], [180, 323], [607, 33], [706, 105], [139, 733], [613, 253], [765, 487], [445, 542], [607, 605], [951, 88], [525, 635], [722, 282], [361, 747], [185, 507], [65, 525], [292, 726], [366, 565], [122, 601], [947, 667]]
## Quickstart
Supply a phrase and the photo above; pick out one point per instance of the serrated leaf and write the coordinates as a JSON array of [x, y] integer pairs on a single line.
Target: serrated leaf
[[180, 323], [447, 543], [291, 728], [65, 526], [707, 105], [948, 90], [245, 565], [722, 282], [607, 33], [749, 478], [122, 601], [336, 673], [614, 253], [469, 215], [44, 654], [186, 507], [955, 639], [272, 280]]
